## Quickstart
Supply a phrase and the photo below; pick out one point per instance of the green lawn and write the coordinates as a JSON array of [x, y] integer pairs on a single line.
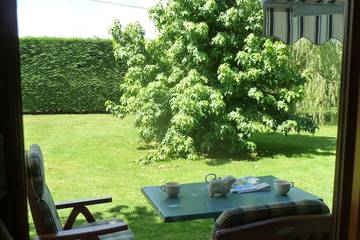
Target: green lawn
[[93, 155]]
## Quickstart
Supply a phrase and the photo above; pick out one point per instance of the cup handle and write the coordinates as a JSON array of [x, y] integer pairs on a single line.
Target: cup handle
[[292, 184], [162, 188]]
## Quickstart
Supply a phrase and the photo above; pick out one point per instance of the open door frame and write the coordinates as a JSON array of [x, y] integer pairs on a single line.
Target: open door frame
[[347, 178], [13, 208]]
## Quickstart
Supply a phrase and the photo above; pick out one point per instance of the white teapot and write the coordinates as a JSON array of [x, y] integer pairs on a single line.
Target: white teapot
[[219, 186]]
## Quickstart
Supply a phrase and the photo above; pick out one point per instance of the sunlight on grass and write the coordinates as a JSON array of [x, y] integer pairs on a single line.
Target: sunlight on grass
[[94, 155]]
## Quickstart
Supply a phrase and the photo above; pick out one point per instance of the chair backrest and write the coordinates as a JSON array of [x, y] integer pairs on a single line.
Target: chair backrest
[[305, 227], [43, 210], [244, 218]]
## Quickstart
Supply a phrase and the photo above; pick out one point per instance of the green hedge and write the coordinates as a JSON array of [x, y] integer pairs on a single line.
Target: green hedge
[[68, 75]]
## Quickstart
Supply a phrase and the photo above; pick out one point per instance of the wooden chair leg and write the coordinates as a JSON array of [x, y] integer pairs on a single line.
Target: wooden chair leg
[[73, 215]]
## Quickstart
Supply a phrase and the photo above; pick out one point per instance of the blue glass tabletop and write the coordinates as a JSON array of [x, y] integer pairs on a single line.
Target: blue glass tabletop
[[194, 202]]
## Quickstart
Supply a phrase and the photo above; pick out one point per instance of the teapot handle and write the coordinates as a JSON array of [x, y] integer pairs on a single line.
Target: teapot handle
[[210, 174]]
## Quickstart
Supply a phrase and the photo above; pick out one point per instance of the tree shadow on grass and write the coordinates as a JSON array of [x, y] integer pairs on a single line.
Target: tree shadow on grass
[[80, 220], [274, 144], [144, 147], [63, 218], [219, 158], [146, 224]]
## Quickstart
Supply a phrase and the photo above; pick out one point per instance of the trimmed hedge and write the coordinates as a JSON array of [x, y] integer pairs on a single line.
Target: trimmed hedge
[[68, 75]]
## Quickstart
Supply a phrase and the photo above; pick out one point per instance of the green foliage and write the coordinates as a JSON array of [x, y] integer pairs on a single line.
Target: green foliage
[[208, 81], [68, 75], [79, 147], [321, 65]]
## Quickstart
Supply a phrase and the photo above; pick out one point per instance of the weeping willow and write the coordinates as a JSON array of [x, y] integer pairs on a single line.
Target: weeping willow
[[321, 65]]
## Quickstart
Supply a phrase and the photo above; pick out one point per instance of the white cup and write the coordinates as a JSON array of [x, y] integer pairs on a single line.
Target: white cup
[[282, 187], [172, 189]]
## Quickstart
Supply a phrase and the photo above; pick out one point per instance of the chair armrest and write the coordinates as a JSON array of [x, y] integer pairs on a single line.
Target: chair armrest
[[86, 232], [83, 202]]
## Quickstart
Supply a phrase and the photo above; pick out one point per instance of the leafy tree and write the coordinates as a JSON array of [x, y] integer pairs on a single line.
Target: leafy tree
[[208, 81], [321, 65]]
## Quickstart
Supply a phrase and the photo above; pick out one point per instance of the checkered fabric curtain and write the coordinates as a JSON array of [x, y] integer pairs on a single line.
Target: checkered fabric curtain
[[317, 20]]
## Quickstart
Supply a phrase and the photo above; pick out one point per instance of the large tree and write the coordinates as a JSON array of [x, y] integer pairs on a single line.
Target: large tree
[[208, 81]]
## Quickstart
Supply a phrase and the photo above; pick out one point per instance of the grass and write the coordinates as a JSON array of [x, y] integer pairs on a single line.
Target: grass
[[93, 155]]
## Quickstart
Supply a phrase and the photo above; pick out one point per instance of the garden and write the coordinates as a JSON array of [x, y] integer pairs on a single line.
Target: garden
[[210, 94], [92, 155]]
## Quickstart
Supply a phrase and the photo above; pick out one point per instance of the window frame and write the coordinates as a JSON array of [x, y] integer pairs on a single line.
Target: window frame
[[13, 207], [346, 211], [347, 175]]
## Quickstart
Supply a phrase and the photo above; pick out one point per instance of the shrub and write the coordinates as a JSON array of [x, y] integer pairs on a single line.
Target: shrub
[[208, 81], [68, 75], [321, 65]]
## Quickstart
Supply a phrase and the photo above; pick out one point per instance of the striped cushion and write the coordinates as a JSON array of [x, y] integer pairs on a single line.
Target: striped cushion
[[36, 170], [123, 235], [250, 214]]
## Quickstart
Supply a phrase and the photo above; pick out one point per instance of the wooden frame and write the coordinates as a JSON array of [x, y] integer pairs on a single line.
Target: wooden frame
[[79, 207], [347, 182], [85, 233], [13, 209]]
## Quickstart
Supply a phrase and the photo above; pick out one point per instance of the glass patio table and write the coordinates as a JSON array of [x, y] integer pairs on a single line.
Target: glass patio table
[[194, 202]]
